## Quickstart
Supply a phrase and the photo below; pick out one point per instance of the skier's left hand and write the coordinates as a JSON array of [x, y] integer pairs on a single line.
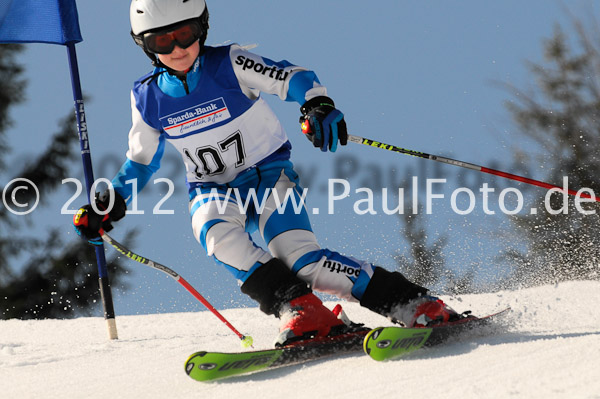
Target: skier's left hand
[[323, 124]]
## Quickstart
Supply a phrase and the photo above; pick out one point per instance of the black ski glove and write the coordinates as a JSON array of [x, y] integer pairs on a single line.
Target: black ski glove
[[90, 225], [323, 124]]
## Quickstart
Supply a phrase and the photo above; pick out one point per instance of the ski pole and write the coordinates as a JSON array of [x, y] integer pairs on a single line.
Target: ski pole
[[393, 148], [246, 339]]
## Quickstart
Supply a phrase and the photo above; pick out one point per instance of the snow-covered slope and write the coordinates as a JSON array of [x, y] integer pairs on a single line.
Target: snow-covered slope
[[548, 347]]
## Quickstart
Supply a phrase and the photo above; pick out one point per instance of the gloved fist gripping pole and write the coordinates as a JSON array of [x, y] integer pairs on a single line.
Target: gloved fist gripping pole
[[91, 223], [323, 124]]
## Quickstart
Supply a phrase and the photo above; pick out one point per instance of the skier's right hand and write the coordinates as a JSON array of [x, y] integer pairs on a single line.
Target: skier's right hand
[[90, 225]]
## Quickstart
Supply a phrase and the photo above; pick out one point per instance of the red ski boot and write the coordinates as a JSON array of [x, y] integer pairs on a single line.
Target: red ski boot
[[433, 312], [306, 317]]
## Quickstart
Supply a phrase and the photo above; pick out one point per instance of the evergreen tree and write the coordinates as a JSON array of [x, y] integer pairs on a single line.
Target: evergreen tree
[[424, 264], [41, 276], [562, 116]]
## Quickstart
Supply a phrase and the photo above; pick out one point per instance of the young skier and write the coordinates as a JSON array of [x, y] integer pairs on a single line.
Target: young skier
[[206, 101]]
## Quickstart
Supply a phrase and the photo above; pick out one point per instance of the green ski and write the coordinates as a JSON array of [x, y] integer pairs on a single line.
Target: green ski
[[209, 366], [385, 343], [382, 343]]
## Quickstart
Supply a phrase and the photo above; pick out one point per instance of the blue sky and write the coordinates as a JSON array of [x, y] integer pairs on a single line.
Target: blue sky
[[420, 75]]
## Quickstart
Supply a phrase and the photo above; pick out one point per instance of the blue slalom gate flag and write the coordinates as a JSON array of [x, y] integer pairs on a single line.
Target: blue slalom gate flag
[[39, 21], [57, 22]]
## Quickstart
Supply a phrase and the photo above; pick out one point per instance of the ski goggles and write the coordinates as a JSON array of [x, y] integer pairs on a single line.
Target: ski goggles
[[163, 42]]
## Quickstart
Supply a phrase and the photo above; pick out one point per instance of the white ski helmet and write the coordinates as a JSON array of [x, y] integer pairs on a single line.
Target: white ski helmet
[[146, 15], [152, 15]]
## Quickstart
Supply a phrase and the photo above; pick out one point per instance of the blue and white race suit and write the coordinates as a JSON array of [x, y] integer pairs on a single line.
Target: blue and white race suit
[[233, 147]]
